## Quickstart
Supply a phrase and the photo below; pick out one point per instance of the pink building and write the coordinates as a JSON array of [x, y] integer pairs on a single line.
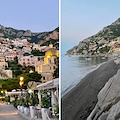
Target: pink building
[[28, 60]]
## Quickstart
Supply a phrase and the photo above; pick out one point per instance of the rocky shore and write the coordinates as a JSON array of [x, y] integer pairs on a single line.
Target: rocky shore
[[108, 105], [81, 100]]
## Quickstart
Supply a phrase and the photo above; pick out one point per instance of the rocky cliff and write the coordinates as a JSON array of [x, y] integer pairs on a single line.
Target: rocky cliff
[[101, 43], [41, 38], [108, 105]]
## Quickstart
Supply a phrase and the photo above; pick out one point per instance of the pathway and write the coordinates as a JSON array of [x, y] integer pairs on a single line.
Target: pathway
[[8, 112]]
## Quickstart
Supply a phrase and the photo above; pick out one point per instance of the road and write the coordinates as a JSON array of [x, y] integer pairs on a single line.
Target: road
[[8, 112]]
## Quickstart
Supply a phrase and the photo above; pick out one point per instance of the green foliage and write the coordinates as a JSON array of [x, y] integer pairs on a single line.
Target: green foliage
[[56, 111], [80, 50], [26, 69], [18, 69], [10, 84], [16, 102], [20, 47], [27, 101], [55, 43], [26, 54], [15, 67], [34, 76], [22, 101], [12, 46], [7, 98], [46, 103], [56, 73], [30, 77], [104, 49], [34, 100], [37, 53]]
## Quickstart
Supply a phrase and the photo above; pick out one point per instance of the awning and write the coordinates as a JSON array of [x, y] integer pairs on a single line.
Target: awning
[[50, 84]]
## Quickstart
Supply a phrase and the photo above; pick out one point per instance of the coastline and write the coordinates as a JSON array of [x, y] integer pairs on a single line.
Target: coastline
[[99, 55], [70, 87], [80, 101]]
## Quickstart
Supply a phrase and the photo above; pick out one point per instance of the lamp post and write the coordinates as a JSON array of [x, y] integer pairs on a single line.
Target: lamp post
[[21, 83]]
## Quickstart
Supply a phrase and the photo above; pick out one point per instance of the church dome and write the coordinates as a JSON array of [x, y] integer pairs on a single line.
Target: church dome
[[51, 52]]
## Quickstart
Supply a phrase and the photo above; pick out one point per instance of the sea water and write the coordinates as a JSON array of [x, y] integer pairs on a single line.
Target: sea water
[[74, 68]]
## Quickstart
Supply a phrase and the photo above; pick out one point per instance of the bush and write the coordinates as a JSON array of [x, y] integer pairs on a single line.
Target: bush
[[7, 98], [104, 49], [56, 111], [46, 103], [34, 100]]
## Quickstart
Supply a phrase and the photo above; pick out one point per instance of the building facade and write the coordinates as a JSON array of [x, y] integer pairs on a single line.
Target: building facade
[[47, 67]]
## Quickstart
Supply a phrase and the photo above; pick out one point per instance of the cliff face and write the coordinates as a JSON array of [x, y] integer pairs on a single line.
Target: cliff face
[[41, 38], [101, 43], [108, 105]]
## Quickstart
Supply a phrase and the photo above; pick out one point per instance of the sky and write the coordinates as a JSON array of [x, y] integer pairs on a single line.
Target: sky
[[35, 15], [83, 18]]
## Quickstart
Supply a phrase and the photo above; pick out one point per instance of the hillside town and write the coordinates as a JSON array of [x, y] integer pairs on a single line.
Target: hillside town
[[33, 70], [9, 49]]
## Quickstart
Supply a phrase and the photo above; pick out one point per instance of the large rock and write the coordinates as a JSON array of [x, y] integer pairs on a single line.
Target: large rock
[[27, 33], [108, 105]]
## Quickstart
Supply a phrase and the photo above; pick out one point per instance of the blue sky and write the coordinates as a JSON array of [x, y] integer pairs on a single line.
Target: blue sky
[[83, 18], [36, 15]]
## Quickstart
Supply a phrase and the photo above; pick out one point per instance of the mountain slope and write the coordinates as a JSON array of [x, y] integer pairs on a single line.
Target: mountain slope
[[40, 38], [99, 43]]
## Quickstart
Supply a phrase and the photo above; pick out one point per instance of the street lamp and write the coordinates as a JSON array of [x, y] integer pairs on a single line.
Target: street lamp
[[21, 83]]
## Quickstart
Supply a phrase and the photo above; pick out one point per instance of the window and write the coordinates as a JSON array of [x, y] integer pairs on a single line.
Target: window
[[50, 61], [47, 78], [53, 67], [50, 68], [55, 61], [43, 78]]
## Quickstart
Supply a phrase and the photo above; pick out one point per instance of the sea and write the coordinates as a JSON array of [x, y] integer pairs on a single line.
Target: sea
[[74, 68]]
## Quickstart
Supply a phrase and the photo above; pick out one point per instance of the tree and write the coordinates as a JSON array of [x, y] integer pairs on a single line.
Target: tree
[[10, 84], [56, 73], [16, 60], [28, 77], [27, 69], [37, 53], [34, 76]]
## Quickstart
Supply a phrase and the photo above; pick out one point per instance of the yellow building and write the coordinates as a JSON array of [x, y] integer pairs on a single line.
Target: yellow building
[[47, 66]]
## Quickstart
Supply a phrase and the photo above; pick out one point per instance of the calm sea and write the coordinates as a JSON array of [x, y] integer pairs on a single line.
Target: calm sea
[[74, 68]]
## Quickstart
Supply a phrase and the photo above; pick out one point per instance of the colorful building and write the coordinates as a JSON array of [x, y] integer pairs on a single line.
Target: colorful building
[[47, 67]]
